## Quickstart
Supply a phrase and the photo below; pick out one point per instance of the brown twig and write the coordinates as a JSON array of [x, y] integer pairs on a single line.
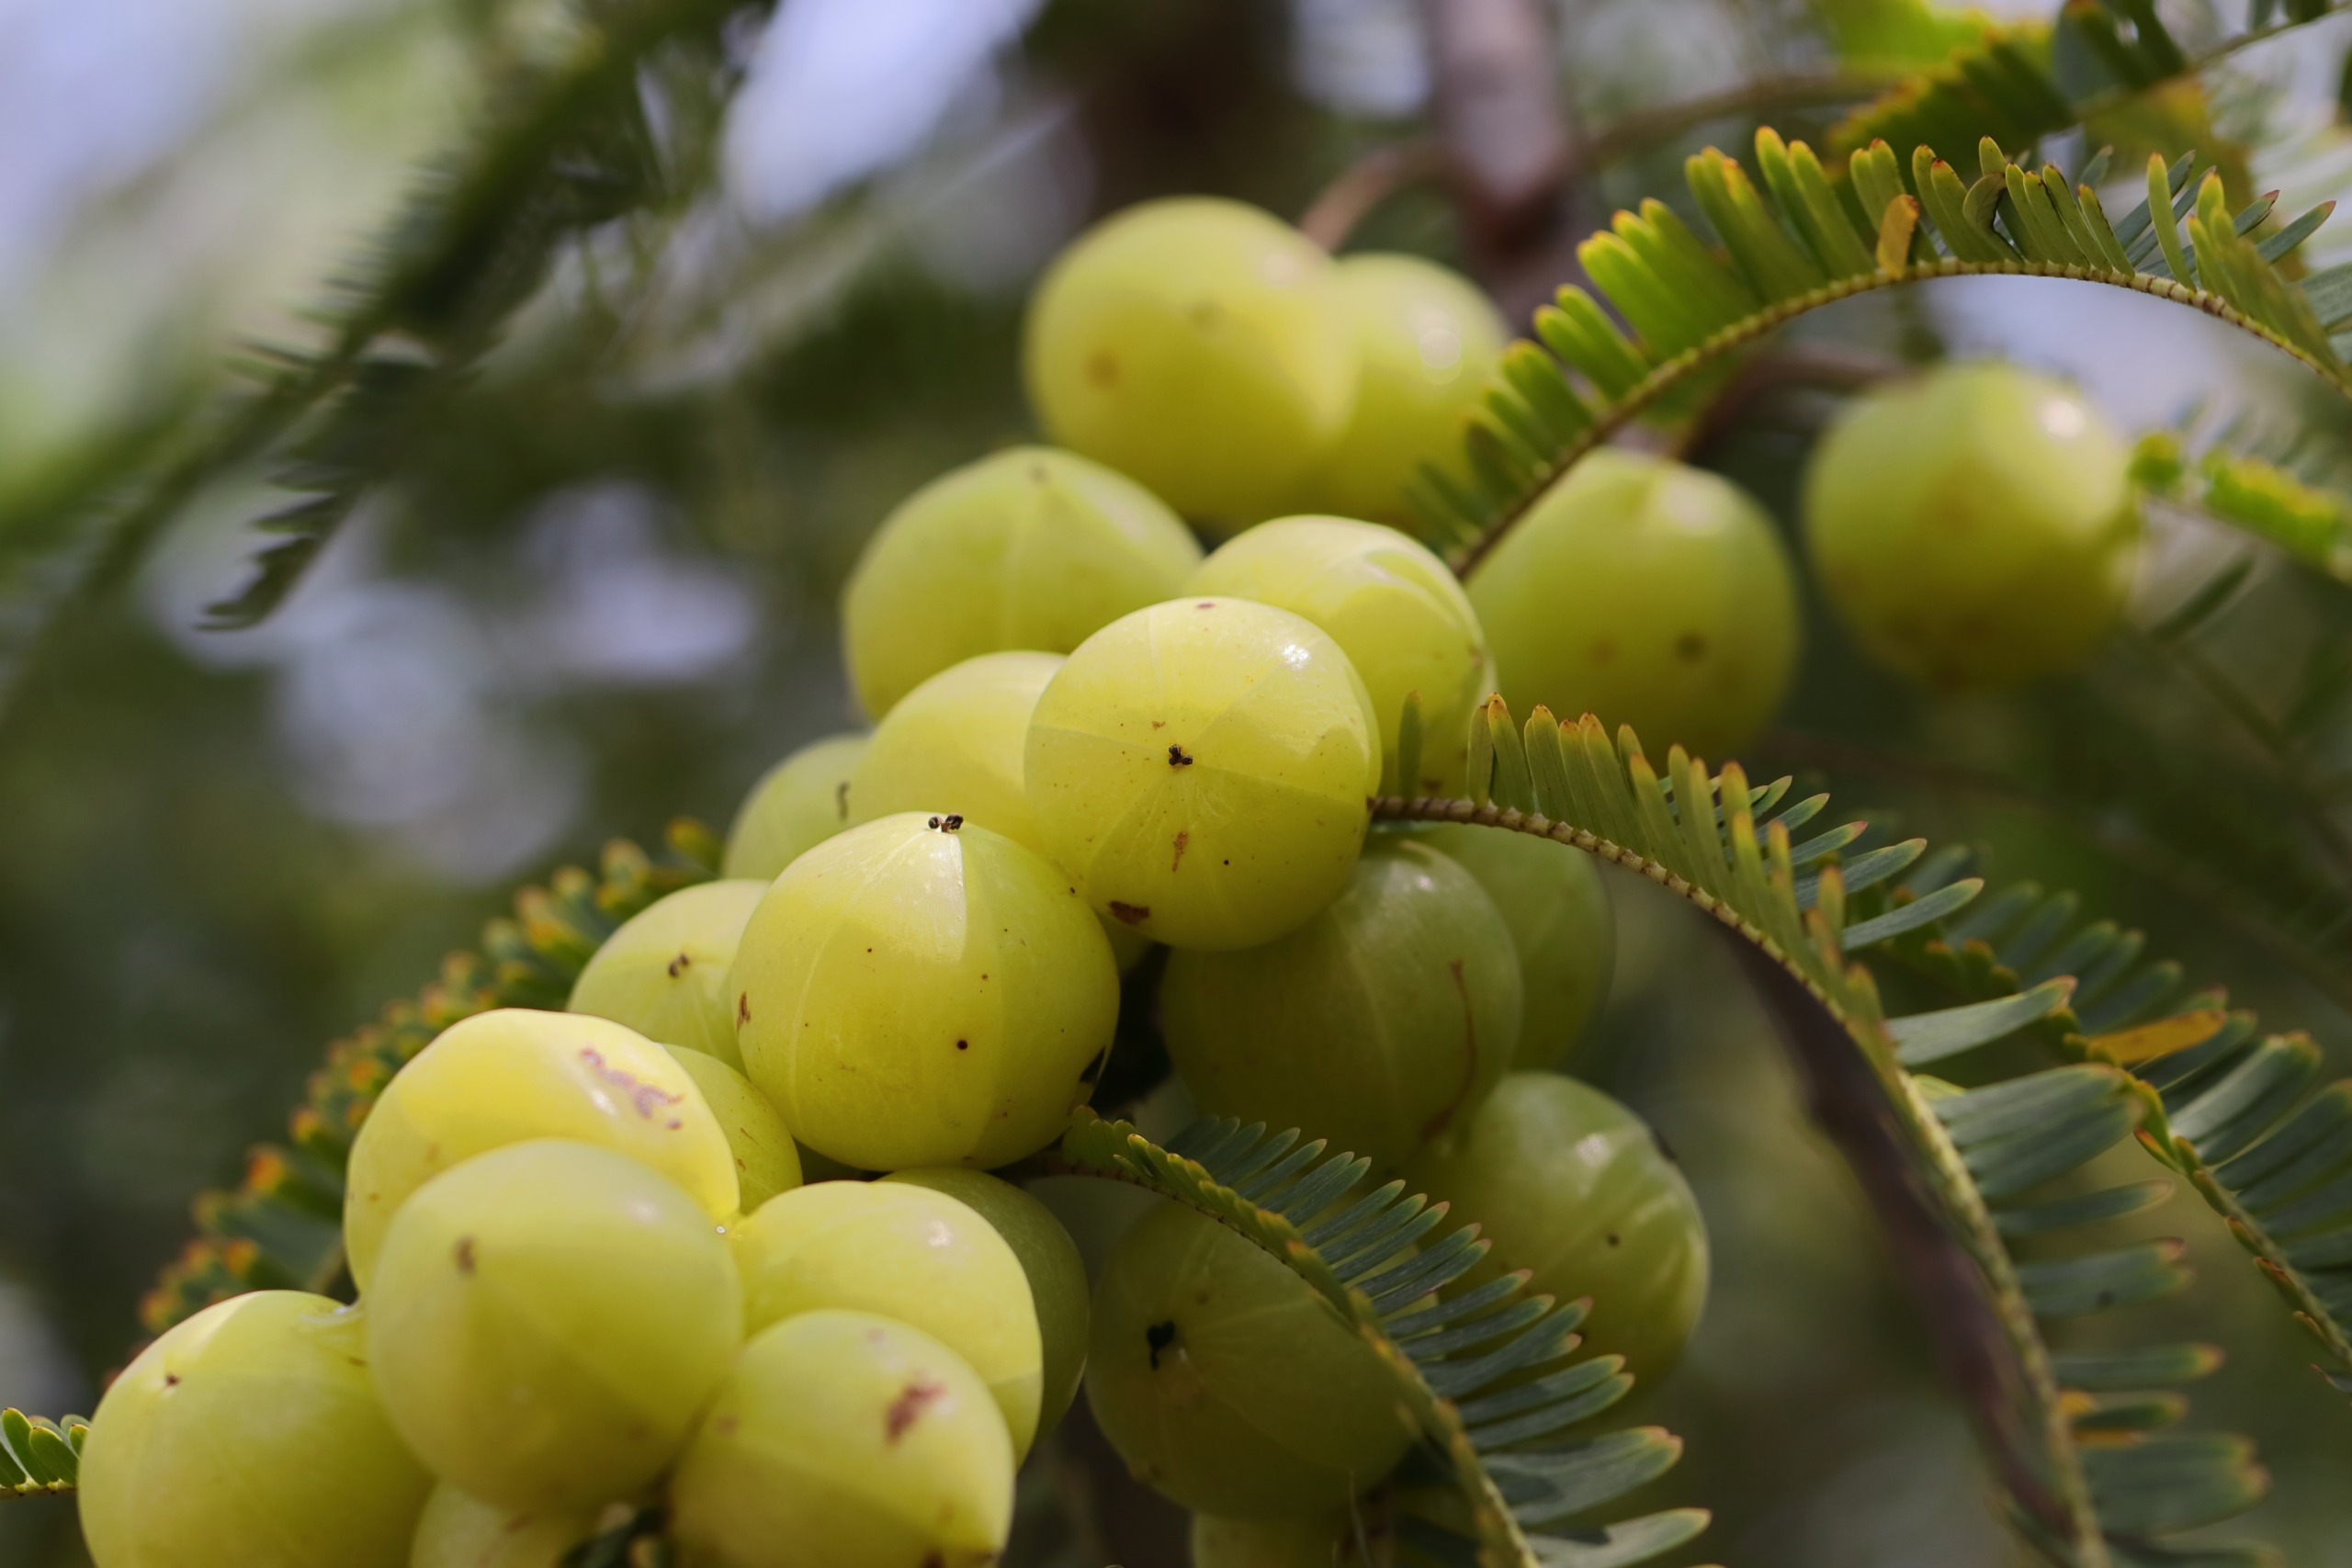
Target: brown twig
[[1364, 184]]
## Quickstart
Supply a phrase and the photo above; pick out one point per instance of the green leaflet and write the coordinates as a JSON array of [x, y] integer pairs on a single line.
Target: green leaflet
[[40, 1456], [2309, 521], [2237, 1114], [1985, 1160], [1460, 1355], [1788, 242], [2020, 82]]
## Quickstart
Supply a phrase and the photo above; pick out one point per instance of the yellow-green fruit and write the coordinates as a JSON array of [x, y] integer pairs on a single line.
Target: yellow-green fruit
[[909, 1253], [1573, 1187], [1555, 902], [1649, 593], [1030, 548], [1312, 1541], [663, 973], [1975, 526], [503, 1076], [954, 744], [1048, 1256], [1226, 1381], [1199, 345], [1426, 344], [915, 992], [801, 801], [460, 1532], [547, 1320], [249, 1435], [766, 1159], [1380, 1022], [851, 1441], [1394, 611], [1204, 770]]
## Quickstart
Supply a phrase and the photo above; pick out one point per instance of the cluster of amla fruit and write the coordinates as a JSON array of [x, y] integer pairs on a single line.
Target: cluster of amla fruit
[[592, 1276]]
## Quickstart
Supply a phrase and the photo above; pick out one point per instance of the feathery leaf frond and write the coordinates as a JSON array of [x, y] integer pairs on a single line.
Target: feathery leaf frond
[[1482, 1369], [2237, 1113], [1794, 243], [39, 1457], [1975, 1168]]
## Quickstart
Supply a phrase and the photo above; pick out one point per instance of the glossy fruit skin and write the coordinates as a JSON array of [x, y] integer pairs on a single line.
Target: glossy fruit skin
[[1204, 770], [954, 744], [799, 802], [460, 1532], [766, 1159], [850, 1440], [1575, 1187], [1555, 901], [250, 1434], [663, 973], [1394, 611], [1428, 342], [547, 1322], [911, 1254], [1383, 1020], [1029, 548], [1048, 1256], [916, 995], [513, 1074], [1200, 345], [1649, 593], [1975, 526], [1224, 1380]]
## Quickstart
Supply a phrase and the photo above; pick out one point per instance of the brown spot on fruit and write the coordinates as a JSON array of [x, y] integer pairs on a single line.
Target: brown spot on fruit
[[726, 1425], [908, 1409], [1184, 837], [1603, 650], [1691, 647], [645, 1098], [963, 1044], [1177, 758], [1132, 914], [171, 1380], [1102, 368], [1613, 1239], [743, 1008], [466, 1255], [679, 964]]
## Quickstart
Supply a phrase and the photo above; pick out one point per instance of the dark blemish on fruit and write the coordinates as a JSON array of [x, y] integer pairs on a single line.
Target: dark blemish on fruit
[[171, 1380], [1133, 914], [948, 824], [1205, 604], [641, 1095], [1439, 1122], [912, 1401], [1037, 473], [1184, 837], [682, 962], [841, 799], [1102, 368], [1690, 646], [726, 1425], [1160, 724], [466, 1255], [743, 1006], [673, 1125], [1612, 1238], [1603, 650], [1176, 758], [1206, 314], [1158, 1336], [963, 1044]]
